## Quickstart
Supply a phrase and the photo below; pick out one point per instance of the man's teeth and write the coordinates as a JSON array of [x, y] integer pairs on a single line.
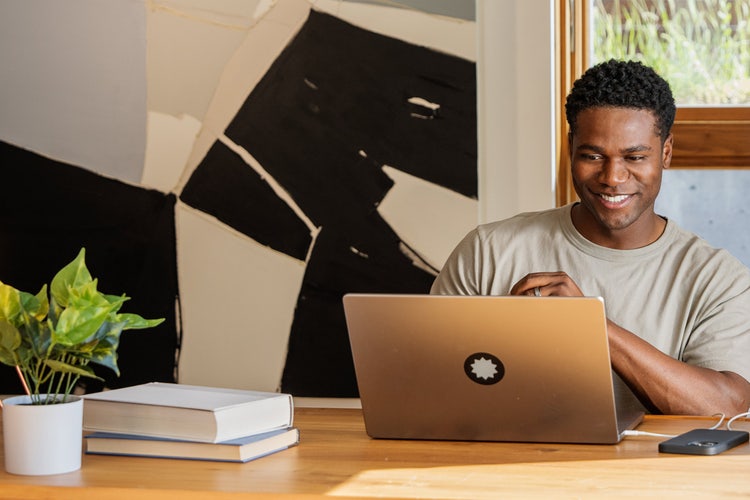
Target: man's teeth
[[614, 199]]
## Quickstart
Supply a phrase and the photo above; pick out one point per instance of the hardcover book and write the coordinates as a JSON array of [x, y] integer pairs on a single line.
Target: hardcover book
[[242, 449], [193, 413]]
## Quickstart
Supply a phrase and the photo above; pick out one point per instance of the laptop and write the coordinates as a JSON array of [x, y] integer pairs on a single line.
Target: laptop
[[486, 368]]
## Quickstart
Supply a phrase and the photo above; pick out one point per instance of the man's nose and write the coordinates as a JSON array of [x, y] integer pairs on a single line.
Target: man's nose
[[613, 172]]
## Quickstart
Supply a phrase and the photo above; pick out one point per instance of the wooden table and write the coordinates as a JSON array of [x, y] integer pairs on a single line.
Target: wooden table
[[336, 458]]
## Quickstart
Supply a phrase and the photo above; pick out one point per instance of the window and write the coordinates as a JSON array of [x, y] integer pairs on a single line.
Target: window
[[702, 47], [712, 127]]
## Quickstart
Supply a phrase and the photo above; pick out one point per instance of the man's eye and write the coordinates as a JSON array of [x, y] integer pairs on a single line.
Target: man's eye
[[591, 157], [636, 158]]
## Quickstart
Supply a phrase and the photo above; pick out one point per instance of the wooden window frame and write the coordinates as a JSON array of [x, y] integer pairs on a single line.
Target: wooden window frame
[[705, 137]]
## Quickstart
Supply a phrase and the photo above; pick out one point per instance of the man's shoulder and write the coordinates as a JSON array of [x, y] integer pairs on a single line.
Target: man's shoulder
[[527, 221], [691, 247]]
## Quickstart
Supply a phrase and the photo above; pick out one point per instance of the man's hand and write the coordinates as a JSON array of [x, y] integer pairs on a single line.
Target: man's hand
[[547, 284]]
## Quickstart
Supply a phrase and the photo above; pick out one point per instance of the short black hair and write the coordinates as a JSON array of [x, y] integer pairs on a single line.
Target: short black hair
[[622, 84]]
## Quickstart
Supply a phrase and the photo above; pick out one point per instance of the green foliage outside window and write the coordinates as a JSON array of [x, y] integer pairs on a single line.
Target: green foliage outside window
[[702, 47]]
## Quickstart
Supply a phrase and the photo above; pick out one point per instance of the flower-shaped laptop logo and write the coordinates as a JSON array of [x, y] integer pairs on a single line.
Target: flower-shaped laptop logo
[[484, 368]]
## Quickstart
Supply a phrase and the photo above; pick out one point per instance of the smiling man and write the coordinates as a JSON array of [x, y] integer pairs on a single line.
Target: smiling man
[[678, 309]]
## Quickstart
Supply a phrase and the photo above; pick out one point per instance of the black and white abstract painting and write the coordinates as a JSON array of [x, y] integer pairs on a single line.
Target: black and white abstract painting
[[278, 156]]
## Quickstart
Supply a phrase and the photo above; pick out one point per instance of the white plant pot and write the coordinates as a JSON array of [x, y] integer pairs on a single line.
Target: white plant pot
[[42, 439]]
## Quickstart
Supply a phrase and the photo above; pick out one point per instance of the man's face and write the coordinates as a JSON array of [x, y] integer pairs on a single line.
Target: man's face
[[617, 160]]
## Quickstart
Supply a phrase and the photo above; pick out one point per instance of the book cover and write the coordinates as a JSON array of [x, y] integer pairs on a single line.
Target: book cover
[[242, 449], [187, 412]]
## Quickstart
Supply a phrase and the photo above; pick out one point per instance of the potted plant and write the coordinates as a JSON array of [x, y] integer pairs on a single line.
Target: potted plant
[[51, 339]]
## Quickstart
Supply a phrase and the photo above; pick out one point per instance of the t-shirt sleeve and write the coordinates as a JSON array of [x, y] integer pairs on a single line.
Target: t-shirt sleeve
[[721, 340], [459, 275]]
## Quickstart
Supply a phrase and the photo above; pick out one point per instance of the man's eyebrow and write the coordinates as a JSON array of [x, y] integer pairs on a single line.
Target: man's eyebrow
[[632, 149], [637, 149], [589, 147]]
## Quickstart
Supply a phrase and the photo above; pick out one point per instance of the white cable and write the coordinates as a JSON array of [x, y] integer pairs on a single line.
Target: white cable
[[656, 434], [721, 420], [644, 433], [731, 420]]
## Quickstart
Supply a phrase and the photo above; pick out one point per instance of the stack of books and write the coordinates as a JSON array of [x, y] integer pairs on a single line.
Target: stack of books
[[189, 422]]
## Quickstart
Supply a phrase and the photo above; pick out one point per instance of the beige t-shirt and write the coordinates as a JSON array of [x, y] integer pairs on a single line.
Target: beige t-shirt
[[686, 298]]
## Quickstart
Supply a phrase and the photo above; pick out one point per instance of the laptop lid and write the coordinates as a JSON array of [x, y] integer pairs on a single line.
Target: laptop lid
[[487, 368]]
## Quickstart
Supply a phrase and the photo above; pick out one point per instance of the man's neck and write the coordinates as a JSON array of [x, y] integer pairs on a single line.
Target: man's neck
[[637, 235]]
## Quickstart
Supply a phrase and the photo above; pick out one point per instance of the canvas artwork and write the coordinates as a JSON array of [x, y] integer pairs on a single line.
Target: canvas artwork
[[256, 208]]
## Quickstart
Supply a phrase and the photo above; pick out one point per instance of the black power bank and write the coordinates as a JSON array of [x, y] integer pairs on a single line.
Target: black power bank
[[704, 442]]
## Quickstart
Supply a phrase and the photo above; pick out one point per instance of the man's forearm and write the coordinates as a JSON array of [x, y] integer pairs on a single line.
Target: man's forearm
[[672, 386]]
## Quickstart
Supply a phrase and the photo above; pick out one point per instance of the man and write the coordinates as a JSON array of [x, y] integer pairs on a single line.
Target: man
[[678, 310]]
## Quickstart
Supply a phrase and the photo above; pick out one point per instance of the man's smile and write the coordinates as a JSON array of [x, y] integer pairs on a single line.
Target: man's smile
[[614, 200]]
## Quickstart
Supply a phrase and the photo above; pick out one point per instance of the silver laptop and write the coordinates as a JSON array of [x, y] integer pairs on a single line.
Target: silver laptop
[[480, 368]]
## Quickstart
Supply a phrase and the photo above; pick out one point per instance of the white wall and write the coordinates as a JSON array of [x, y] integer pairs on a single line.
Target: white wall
[[73, 82], [516, 114]]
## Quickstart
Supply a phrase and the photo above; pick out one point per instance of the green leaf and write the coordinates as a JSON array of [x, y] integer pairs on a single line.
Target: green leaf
[[10, 341], [86, 295], [72, 275], [136, 322], [35, 334], [104, 349], [35, 305], [116, 300], [110, 331], [77, 325], [54, 311], [105, 354], [10, 302]]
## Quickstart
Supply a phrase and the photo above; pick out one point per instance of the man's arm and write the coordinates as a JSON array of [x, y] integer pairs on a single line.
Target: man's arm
[[672, 386], [667, 385]]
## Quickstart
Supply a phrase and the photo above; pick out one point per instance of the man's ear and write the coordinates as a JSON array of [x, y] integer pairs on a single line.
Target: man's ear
[[667, 151]]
